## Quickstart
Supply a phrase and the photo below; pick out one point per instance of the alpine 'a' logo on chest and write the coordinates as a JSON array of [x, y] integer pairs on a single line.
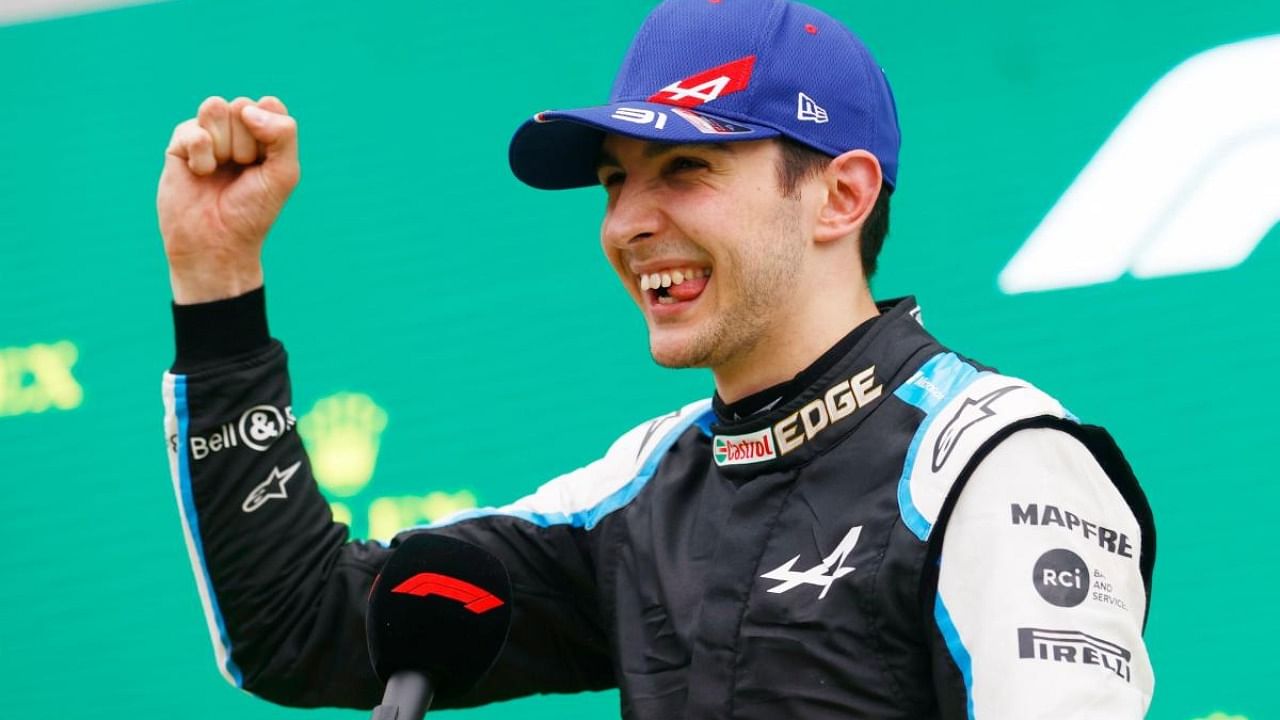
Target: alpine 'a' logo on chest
[[823, 574]]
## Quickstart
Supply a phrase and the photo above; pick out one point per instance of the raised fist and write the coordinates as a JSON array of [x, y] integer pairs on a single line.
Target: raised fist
[[227, 174]]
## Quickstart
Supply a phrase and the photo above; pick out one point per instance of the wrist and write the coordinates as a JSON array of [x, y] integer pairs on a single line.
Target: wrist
[[195, 286]]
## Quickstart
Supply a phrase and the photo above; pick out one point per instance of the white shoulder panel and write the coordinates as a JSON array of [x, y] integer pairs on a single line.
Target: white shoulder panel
[[1040, 596], [963, 407]]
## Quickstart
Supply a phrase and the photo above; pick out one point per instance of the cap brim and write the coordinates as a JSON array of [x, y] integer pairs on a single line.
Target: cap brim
[[559, 149]]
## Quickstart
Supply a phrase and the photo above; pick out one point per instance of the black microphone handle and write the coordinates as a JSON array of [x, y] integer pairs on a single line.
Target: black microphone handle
[[407, 697]]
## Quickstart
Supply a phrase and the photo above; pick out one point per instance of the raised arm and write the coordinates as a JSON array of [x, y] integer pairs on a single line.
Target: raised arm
[[283, 587]]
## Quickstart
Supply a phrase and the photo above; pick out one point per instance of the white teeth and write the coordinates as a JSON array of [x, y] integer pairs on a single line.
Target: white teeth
[[654, 281], [665, 300]]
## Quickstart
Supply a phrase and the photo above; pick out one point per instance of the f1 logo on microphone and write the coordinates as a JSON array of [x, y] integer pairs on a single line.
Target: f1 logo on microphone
[[474, 598]]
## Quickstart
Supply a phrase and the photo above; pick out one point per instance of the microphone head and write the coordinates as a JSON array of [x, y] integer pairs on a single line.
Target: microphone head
[[442, 607]]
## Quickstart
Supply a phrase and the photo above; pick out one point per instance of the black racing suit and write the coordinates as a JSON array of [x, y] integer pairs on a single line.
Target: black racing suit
[[790, 565]]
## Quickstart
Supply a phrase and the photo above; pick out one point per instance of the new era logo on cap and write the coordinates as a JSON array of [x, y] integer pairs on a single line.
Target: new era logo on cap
[[708, 84], [807, 109]]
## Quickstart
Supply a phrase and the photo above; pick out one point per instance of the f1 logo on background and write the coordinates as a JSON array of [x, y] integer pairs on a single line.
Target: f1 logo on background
[[1189, 181]]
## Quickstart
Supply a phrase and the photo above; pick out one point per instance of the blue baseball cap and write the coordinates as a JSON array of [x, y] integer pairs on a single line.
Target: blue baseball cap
[[703, 71]]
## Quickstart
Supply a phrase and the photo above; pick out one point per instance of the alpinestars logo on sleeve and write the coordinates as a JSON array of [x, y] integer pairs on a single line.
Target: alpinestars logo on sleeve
[[273, 488], [822, 575], [972, 412], [708, 84]]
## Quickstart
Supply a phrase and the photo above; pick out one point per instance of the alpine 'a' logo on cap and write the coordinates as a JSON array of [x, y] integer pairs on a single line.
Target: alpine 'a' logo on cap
[[742, 449], [708, 84]]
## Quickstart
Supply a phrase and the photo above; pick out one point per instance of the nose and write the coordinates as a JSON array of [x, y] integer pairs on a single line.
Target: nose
[[632, 215]]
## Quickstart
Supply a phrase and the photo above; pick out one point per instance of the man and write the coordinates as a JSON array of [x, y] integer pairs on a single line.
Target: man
[[860, 523]]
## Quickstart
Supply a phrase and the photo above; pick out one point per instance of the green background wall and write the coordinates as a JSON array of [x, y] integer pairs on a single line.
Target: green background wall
[[473, 314]]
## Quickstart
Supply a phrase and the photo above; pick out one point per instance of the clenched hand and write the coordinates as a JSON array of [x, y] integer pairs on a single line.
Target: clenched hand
[[227, 174]]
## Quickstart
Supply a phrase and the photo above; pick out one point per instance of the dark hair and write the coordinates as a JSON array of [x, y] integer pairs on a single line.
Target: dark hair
[[800, 162]]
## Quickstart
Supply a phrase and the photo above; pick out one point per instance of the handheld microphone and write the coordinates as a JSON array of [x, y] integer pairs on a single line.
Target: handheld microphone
[[438, 616]]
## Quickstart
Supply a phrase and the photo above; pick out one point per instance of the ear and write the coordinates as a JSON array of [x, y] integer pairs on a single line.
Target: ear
[[853, 182]]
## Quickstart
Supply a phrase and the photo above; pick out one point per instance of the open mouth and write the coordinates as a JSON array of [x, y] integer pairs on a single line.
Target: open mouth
[[674, 286]]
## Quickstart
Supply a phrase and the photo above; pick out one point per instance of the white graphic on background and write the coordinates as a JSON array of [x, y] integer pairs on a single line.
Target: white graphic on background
[[1188, 182], [15, 11]]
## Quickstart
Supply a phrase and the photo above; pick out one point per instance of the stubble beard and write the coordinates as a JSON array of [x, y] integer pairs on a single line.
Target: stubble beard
[[766, 274]]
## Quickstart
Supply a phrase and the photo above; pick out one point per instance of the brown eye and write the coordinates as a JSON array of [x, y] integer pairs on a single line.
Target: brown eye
[[684, 164]]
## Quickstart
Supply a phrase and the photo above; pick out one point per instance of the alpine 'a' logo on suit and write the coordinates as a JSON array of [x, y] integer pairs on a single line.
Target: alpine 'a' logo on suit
[[823, 574]]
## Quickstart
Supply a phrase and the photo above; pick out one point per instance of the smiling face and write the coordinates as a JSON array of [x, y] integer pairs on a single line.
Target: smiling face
[[707, 245]]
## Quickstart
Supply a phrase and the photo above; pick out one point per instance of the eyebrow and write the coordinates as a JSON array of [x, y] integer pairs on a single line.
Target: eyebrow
[[654, 149]]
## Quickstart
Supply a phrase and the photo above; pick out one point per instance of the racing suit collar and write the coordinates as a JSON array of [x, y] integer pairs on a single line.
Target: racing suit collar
[[826, 401], [776, 395]]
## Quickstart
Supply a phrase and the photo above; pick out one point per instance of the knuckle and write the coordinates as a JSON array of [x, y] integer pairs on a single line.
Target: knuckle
[[212, 105], [182, 129], [273, 103]]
